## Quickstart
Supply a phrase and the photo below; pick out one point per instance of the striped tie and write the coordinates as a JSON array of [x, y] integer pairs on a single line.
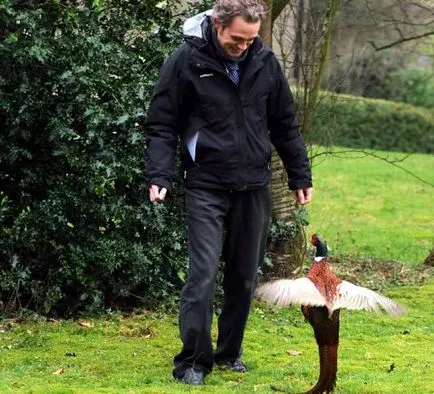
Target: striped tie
[[233, 71]]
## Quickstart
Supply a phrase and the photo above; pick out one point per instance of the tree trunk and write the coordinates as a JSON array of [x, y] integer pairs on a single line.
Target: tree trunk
[[266, 31], [288, 254], [278, 7], [285, 252], [326, 36], [298, 44]]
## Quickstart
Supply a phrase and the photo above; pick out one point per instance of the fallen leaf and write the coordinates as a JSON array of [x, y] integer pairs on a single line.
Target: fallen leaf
[[294, 352], [147, 333], [85, 323], [60, 371]]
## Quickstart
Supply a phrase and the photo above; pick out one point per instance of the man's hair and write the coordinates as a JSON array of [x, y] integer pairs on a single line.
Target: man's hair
[[251, 11]]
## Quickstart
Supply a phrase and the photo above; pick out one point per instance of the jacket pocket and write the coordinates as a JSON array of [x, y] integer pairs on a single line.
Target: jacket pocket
[[214, 146]]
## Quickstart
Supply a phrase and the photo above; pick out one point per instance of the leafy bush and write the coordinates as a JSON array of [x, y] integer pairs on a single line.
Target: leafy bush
[[369, 123], [413, 86], [77, 233]]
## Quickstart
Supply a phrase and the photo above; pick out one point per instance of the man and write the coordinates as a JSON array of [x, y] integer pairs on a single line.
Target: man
[[222, 93]]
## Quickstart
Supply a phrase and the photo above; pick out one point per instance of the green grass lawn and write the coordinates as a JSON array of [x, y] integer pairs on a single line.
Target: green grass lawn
[[367, 207], [116, 354]]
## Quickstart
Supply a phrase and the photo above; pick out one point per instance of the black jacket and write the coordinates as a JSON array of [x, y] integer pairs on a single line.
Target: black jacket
[[225, 130]]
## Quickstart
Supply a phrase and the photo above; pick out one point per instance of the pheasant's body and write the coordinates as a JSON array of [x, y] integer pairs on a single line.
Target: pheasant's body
[[321, 295], [326, 328]]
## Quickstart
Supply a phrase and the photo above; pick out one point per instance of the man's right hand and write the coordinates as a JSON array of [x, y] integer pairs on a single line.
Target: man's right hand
[[157, 193]]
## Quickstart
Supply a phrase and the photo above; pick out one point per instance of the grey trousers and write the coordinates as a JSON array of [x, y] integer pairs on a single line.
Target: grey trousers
[[245, 215]]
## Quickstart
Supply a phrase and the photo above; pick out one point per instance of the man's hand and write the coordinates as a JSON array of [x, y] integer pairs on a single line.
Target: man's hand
[[157, 193], [303, 196]]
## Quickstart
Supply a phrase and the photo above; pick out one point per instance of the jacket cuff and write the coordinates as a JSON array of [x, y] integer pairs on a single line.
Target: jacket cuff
[[161, 182], [297, 185]]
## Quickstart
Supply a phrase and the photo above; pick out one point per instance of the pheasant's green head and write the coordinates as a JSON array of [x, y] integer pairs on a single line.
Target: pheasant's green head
[[320, 245]]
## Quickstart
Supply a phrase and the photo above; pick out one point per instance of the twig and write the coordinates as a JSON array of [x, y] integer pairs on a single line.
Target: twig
[[400, 41], [377, 156]]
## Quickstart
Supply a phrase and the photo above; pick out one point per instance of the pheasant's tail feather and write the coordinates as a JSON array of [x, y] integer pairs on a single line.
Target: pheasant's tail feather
[[356, 297], [327, 380], [326, 331], [287, 292]]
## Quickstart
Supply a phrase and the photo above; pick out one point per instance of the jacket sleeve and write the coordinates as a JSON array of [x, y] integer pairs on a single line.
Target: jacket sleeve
[[163, 123], [285, 131]]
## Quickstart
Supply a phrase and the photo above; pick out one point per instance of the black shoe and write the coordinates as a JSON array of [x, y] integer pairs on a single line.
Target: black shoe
[[235, 366], [193, 376]]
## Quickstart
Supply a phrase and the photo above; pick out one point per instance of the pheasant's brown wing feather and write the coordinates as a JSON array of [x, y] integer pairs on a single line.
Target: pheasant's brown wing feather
[[288, 292]]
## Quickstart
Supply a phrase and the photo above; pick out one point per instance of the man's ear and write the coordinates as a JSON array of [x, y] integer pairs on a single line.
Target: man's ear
[[217, 24]]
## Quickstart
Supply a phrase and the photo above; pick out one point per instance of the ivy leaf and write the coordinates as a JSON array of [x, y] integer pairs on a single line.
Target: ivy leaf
[[11, 38], [122, 119], [181, 275], [98, 4], [135, 137], [161, 4]]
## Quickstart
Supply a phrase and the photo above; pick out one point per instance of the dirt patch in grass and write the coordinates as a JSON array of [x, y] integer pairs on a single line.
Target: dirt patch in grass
[[377, 274]]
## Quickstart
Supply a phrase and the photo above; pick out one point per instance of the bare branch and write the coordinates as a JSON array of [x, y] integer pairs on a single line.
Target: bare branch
[[400, 41], [401, 34], [422, 6], [364, 153], [278, 6]]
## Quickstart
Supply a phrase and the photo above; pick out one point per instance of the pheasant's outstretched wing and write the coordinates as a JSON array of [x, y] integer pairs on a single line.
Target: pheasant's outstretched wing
[[287, 292], [356, 297]]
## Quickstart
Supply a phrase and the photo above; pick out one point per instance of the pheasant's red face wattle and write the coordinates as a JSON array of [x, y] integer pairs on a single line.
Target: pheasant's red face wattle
[[314, 240]]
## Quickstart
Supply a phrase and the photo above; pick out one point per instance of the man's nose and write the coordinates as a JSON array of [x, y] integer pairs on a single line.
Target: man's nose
[[243, 45]]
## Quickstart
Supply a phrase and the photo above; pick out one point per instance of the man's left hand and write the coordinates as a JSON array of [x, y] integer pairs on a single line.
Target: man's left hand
[[304, 196]]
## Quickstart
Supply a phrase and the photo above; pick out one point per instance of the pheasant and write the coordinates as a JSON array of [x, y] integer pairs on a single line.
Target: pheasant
[[321, 295]]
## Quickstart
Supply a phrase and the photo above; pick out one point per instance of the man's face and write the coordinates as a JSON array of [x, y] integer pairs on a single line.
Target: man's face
[[238, 36]]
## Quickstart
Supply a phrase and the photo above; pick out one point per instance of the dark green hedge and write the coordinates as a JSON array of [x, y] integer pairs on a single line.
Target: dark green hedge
[[358, 122], [77, 233], [413, 86]]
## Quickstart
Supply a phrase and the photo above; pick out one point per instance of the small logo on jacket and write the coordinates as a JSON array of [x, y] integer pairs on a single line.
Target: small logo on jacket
[[206, 75]]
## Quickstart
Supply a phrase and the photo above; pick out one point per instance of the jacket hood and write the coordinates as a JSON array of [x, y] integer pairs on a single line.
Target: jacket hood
[[196, 32], [194, 26]]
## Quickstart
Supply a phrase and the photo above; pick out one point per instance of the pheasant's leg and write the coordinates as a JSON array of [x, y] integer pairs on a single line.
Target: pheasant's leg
[[326, 331]]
